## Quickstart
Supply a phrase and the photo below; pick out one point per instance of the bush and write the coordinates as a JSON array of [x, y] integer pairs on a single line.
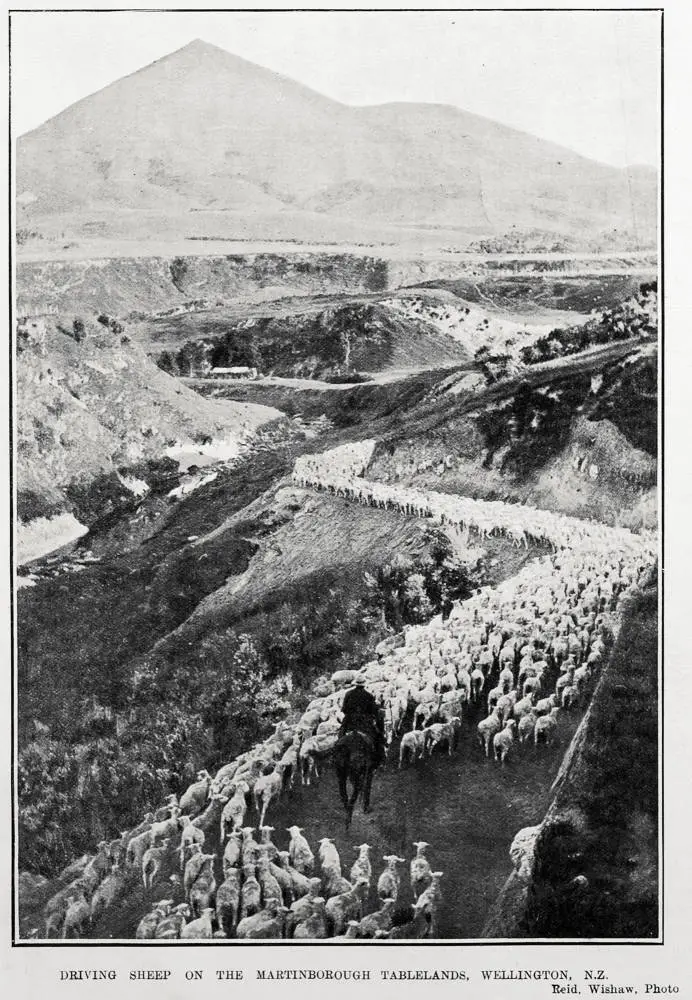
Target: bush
[[178, 269], [167, 363], [135, 731], [24, 235], [347, 378], [111, 324], [493, 366], [634, 318]]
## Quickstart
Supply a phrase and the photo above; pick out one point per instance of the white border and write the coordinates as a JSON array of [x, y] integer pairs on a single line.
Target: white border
[[32, 970]]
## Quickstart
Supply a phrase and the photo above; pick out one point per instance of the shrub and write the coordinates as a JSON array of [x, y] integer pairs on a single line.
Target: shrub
[[111, 324], [178, 269]]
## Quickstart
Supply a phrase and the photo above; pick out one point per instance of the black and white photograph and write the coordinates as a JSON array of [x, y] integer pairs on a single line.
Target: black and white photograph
[[336, 422]]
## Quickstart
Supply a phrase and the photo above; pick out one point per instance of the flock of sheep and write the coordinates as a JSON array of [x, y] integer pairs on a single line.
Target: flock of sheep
[[523, 652], [270, 894], [260, 891], [340, 473]]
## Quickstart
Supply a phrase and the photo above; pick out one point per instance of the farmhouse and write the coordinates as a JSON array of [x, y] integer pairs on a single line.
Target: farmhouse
[[240, 371]]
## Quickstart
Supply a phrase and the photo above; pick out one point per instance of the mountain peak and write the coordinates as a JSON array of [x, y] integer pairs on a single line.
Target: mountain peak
[[204, 129], [202, 49], [199, 43]]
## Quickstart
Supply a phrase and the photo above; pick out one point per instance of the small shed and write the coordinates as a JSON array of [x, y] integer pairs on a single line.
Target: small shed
[[238, 371]]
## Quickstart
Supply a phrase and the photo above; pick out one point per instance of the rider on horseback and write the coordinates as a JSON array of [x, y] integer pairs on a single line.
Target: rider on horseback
[[362, 714]]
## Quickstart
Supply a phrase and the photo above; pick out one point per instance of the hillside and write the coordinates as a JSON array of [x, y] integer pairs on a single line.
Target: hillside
[[335, 342], [170, 283], [90, 402], [202, 142], [349, 596], [559, 445]]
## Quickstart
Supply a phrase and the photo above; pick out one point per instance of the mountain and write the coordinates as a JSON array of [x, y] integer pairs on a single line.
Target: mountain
[[202, 142]]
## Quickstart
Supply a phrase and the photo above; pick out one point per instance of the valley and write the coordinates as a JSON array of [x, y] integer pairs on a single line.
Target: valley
[[383, 407], [207, 553]]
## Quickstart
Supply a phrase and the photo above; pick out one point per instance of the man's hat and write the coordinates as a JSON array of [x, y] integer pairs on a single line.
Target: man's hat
[[360, 680]]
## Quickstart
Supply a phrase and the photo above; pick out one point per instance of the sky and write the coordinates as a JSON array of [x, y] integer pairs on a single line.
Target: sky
[[587, 80]]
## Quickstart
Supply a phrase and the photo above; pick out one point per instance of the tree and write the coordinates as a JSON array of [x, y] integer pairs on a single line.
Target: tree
[[167, 363], [78, 330]]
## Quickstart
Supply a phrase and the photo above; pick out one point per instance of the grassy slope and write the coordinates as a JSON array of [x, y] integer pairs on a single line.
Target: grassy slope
[[538, 292], [525, 442], [90, 630], [356, 337]]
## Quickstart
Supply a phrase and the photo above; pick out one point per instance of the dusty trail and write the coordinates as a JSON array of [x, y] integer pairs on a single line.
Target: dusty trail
[[469, 808]]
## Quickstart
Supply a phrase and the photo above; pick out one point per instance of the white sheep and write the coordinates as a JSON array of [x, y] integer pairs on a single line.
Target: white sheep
[[477, 683], [526, 727], [190, 835], [504, 741], [267, 788], [193, 799], [347, 906], [267, 923], [380, 920], [328, 855], [493, 697], [569, 697], [235, 809], [412, 744], [429, 901], [505, 706], [362, 867], [546, 728], [443, 734], [488, 728], [523, 707], [232, 852], [506, 680], [250, 893], [302, 858], [200, 928], [389, 881], [272, 893], [545, 705], [420, 871]]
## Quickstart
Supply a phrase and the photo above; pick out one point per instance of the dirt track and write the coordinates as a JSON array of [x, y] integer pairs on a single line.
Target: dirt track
[[474, 805]]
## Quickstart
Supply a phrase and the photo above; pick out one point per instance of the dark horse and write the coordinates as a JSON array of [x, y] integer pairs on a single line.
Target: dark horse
[[354, 759]]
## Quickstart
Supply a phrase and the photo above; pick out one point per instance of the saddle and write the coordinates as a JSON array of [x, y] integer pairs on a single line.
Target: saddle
[[365, 736]]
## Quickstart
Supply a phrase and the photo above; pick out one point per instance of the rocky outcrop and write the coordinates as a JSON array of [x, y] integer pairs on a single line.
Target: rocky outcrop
[[91, 404]]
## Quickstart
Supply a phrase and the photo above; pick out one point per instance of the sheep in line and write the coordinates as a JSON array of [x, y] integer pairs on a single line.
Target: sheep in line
[[251, 903], [574, 617], [521, 523], [472, 612], [538, 669]]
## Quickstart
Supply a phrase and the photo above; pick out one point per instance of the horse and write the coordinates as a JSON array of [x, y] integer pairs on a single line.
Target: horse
[[354, 759]]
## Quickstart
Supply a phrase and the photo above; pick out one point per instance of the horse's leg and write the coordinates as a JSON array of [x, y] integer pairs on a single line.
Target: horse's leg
[[343, 790], [348, 802], [357, 781], [366, 790]]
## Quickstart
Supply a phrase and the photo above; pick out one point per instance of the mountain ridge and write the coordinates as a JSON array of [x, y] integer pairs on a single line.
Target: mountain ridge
[[204, 129]]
